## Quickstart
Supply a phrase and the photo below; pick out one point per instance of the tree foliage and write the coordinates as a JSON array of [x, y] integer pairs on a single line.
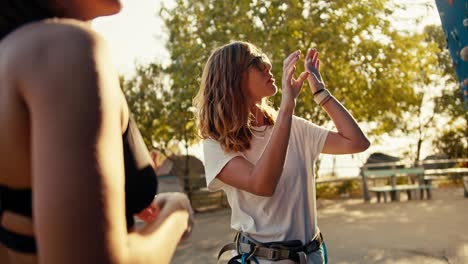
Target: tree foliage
[[155, 109], [366, 63], [435, 34], [453, 142], [453, 139], [439, 101], [369, 65], [451, 100], [422, 117]]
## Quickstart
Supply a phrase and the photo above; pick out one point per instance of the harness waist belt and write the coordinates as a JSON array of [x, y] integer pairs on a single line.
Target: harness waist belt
[[293, 249]]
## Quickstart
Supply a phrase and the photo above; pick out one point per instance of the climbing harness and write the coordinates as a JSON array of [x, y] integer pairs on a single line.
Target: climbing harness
[[249, 249]]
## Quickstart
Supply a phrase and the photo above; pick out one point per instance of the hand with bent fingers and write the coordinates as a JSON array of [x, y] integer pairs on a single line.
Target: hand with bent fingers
[[164, 204], [292, 87], [149, 213], [312, 65]]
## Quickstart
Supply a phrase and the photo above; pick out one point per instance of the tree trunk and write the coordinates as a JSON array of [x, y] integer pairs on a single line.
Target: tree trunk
[[418, 152]]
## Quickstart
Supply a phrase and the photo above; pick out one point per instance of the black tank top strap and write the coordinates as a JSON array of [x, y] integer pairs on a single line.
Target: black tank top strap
[[17, 242], [18, 201]]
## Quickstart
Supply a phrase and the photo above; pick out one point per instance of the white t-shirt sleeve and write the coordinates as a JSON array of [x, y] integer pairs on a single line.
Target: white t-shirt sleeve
[[215, 160], [313, 133]]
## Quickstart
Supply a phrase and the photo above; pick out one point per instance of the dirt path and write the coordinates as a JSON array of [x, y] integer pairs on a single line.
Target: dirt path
[[434, 231]]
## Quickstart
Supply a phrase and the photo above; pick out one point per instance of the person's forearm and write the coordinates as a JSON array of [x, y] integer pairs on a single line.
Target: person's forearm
[[344, 122], [267, 171], [156, 242]]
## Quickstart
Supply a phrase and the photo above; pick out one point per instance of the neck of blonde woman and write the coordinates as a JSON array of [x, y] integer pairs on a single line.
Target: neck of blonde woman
[[257, 115]]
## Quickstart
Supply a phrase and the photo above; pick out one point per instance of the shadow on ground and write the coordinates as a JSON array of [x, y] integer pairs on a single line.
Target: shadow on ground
[[427, 231]]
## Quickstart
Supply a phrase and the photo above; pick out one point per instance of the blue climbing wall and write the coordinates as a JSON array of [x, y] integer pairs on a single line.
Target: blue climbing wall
[[454, 18]]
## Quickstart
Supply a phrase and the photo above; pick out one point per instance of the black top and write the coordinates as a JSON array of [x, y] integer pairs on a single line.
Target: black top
[[140, 188]]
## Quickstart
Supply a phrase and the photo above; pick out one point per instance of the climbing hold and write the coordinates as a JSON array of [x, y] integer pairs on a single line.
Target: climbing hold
[[464, 53]]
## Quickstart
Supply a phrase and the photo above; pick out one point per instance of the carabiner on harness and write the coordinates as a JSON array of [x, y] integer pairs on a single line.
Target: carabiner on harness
[[246, 257]]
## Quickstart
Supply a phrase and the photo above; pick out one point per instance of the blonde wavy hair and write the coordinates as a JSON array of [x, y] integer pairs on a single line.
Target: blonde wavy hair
[[222, 110]]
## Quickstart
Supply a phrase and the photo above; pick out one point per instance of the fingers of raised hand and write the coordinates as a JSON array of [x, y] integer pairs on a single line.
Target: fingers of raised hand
[[315, 56], [290, 73], [302, 77], [296, 83], [291, 59], [312, 54], [312, 59]]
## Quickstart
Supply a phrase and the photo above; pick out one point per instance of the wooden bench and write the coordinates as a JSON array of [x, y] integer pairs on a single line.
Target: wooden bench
[[393, 189], [465, 186], [436, 174], [200, 197]]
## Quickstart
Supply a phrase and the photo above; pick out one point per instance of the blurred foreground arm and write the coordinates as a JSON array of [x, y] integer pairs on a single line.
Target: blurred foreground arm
[[76, 137]]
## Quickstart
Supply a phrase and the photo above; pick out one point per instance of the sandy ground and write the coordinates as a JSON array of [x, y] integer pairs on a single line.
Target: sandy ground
[[418, 231]]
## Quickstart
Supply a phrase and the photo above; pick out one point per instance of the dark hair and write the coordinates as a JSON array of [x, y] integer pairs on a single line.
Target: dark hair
[[15, 13]]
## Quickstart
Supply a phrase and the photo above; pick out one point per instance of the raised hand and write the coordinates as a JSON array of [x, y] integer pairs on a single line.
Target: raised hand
[[312, 65], [291, 86]]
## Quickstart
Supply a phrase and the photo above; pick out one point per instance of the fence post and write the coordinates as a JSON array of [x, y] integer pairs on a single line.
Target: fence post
[[365, 189], [465, 185]]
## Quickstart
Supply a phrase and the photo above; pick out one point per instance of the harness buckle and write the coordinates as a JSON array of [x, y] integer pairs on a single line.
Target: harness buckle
[[273, 254]]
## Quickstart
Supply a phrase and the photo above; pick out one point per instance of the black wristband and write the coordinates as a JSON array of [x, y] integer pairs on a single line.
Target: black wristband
[[318, 91], [326, 100]]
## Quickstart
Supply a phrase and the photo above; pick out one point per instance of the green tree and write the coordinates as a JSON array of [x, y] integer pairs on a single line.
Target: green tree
[[453, 142], [155, 109], [422, 117], [162, 116], [366, 63], [437, 106], [453, 138]]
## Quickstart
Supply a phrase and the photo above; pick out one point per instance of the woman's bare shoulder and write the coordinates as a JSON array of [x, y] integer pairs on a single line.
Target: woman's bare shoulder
[[38, 41], [48, 30], [59, 60], [47, 51]]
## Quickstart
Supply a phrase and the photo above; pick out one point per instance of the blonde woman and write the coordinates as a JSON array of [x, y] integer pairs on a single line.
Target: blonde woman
[[262, 158], [73, 167]]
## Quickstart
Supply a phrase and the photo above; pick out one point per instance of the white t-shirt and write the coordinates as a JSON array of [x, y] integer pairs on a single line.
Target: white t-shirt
[[285, 215]]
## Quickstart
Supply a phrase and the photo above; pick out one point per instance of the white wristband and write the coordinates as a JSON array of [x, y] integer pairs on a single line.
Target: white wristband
[[318, 98]]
